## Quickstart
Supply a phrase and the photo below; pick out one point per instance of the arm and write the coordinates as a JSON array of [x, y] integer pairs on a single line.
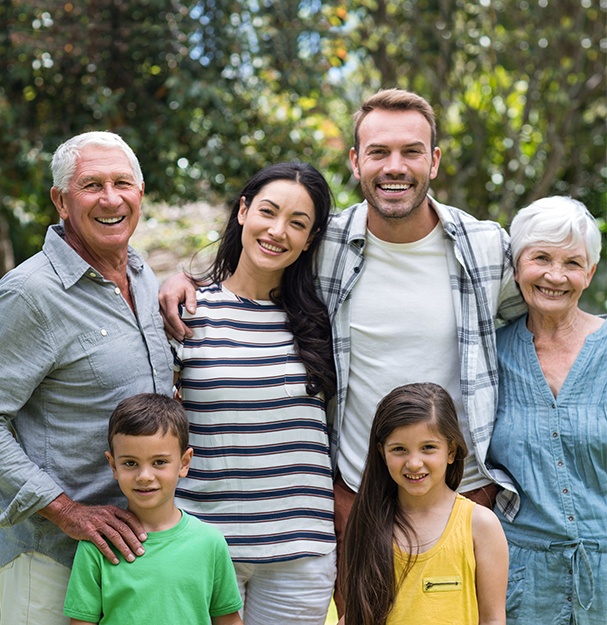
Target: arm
[[177, 289], [74, 621], [98, 524], [491, 552], [227, 619]]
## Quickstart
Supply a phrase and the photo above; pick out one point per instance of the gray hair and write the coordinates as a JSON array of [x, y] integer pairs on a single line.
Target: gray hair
[[66, 156], [556, 220]]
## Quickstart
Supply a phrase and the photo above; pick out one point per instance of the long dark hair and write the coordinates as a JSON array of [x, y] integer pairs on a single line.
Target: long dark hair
[[369, 585], [307, 316]]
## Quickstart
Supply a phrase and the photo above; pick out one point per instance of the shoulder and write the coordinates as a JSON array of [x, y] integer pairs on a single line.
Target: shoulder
[[203, 531], [486, 527], [462, 225]]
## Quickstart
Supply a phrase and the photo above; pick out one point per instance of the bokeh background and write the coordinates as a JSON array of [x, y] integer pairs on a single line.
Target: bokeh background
[[209, 91]]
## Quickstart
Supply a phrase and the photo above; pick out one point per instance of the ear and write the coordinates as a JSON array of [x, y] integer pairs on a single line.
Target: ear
[[242, 211], [59, 202], [452, 452], [310, 239], [186, 460], [435, 163], [112, 462], [380, 449], [589, 275], [354, 163]]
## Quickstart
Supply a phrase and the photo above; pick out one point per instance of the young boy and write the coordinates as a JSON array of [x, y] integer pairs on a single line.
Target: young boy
[[185, 575]]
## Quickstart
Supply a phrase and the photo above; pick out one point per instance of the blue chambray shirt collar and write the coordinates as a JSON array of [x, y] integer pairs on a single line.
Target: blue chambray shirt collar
[[69, 265]]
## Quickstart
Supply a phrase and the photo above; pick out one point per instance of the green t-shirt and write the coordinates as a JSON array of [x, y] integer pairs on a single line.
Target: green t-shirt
[[185, 576]]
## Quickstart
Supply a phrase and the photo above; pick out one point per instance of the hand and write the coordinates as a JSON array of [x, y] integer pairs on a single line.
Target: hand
[[98, 524], [177, 289]]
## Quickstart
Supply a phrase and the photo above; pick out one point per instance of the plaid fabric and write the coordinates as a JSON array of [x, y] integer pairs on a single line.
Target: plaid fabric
[[485, 296]]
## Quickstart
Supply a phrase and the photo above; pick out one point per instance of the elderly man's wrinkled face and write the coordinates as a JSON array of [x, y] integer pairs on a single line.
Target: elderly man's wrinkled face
[[102, 204]]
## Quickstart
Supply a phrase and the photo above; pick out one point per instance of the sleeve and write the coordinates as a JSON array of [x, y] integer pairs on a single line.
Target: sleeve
[[510, 302], [226, 596], [27, 358], [83, 597]]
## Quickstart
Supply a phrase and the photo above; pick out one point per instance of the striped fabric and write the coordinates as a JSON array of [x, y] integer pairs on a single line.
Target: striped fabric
[[261, 471]]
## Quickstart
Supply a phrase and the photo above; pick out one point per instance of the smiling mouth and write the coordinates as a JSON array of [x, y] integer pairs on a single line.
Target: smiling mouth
[[550, 292], [394, 187], [270, 247], [416, 478], [109, 221]]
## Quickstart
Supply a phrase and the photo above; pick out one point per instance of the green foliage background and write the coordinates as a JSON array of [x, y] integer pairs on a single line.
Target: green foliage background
[[208, 91]]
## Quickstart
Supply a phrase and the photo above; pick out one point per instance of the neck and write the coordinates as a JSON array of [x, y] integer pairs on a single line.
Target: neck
[[157, 519], [412, 227], [244, 284]]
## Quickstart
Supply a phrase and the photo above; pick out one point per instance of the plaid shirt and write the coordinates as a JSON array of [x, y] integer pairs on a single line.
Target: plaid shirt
[[485, 296]]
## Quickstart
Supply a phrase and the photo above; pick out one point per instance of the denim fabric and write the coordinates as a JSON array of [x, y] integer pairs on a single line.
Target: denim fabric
[[554, 450], [71, 350]]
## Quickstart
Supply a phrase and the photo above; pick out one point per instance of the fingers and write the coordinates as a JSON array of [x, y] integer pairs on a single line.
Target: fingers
[[120, 528], [176, 290]]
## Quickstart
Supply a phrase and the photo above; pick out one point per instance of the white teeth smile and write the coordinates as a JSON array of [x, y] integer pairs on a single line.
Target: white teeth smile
[[109, 220], [549, 292], [271, 248], [416, 478], [394, 187]]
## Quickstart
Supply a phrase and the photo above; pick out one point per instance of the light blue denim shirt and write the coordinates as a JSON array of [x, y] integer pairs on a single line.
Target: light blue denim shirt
[[71, 350], [550, 454]]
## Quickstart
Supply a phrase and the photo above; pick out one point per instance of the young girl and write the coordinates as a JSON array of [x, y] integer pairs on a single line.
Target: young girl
[[254, 378], [415, 551]]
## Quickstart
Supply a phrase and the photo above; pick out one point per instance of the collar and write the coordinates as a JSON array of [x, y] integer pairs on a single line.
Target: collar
[[69, 266]]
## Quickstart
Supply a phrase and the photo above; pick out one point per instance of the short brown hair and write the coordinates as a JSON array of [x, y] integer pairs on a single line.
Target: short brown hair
[[145, 415], [395, 100]]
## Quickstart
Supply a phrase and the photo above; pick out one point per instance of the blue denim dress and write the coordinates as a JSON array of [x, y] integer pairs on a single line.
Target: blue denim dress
[[554, 450]]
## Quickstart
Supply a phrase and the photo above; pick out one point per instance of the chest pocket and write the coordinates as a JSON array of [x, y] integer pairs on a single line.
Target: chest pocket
[[112, 355]]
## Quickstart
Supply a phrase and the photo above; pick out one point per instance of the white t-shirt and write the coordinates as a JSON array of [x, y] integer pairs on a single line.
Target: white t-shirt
[[409, 336]]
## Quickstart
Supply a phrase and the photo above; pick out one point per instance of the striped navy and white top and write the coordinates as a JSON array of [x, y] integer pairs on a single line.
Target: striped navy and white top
[[261, 471]]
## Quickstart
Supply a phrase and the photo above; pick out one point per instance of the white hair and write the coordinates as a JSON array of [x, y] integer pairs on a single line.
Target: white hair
[[556, 221], [66, 156]]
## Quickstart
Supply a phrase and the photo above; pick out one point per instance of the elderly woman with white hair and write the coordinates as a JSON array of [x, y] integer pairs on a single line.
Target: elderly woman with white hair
[[549, 445]]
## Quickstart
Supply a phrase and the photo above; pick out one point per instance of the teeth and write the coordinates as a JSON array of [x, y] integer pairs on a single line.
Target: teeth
[[394, 187], [416, 478], [272, 248], [549, 292], [109, 220]]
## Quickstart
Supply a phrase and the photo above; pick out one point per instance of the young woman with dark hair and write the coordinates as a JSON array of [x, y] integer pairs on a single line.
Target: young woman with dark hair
[[415, 552], [254, 379]]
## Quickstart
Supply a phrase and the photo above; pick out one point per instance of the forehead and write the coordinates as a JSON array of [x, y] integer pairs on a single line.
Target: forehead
[[287, 194], [422, 430], [94, 161], [394, 127], [146, 445]]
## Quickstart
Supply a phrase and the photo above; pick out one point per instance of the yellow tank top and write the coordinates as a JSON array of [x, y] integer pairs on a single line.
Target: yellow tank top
[[440, 589]]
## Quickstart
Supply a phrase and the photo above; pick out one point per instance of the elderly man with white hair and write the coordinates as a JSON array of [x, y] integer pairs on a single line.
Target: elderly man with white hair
[[80, 332]]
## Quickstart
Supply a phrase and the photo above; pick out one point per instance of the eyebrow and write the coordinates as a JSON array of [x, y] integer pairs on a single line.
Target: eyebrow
[[114, 176], [277, 207]]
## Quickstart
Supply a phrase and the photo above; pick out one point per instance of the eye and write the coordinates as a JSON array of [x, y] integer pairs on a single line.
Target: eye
[[124, 184], [160, 463], [266, 211], [92, 186], [129, 463]]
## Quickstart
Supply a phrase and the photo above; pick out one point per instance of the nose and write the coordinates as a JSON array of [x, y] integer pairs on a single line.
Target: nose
[[145, 474], [556, 273], [414, 462], [277, 229], [109, 196], [395, 164]]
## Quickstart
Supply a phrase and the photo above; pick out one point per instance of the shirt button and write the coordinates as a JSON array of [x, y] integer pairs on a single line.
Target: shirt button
[[103, 332], [555, 434], [565, 490], [571, 518], [92, 274], [559, 463], [117, 290]]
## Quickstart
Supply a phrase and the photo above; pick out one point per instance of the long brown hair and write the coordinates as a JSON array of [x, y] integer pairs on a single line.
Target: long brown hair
[[369, 585]]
